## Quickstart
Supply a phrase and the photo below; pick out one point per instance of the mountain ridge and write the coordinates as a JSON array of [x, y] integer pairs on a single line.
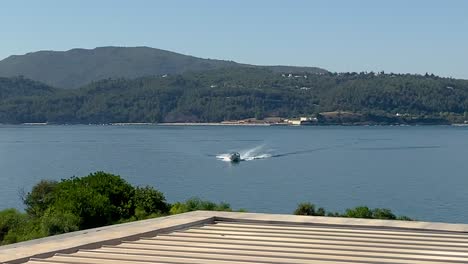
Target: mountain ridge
[[78, 67], [241, 93]]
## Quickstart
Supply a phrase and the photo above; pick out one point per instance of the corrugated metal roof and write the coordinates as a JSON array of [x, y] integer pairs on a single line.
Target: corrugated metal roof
[[228, 242]]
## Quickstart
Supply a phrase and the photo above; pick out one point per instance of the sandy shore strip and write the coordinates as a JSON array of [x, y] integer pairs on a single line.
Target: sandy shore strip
[[211, 124]]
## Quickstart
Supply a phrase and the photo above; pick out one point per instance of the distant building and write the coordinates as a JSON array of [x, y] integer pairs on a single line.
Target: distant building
[[400, 115], [302, 121]]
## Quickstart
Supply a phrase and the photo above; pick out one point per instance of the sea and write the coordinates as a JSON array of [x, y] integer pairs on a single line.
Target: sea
[[417, 171]]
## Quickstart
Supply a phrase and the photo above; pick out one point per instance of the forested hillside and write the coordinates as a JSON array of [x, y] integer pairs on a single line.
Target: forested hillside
[[78, 67], [238, 93], [19, 86]]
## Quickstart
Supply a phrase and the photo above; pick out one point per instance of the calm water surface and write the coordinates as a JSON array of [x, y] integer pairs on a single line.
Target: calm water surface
[[421, 172]]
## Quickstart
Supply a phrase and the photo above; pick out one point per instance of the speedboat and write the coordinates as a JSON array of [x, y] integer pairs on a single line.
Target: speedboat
[[235, 157]]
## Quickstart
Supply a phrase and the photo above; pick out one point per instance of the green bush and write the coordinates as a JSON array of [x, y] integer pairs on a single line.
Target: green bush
[[380, 213], [16, 226], [10, 220], [308, 209], [194, 204], [356, 212], [101, 198], [97, 199], [149, 203], [73, 204], [40, 197], [55, 222], [359, 212]]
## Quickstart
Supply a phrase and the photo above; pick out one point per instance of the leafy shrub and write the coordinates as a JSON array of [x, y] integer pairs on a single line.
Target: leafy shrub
[[359, 212], [380, 213], [97, 199], [16, 227], [356, 212], [308, 209], [40, 197], [78, 203], [55, 222], [149, 203], [101, 198], [10, 219], [194, 204]]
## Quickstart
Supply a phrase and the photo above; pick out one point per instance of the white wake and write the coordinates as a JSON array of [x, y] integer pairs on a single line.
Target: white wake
[[247, 155]]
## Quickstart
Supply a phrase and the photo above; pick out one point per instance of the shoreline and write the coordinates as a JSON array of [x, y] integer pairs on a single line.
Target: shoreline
[[230, 124], [212, 124]]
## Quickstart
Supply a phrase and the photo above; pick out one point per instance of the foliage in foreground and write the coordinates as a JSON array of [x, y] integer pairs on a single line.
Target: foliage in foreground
[[195, 204], [356, 212], [99, 199], [79, 203], [95, 200]]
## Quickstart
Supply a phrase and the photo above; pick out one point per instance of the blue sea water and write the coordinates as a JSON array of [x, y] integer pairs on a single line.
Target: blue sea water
[[421, 172]]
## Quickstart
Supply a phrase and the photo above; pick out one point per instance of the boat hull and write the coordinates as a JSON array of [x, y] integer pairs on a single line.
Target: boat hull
[[235, 157]]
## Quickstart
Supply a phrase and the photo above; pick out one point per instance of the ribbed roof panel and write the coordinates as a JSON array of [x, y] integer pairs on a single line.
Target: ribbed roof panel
[[227, 242]]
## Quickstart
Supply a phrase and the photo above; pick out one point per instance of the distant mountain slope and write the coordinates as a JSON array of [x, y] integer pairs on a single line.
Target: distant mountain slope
[[19, 87], [78, 67], [241, 93]]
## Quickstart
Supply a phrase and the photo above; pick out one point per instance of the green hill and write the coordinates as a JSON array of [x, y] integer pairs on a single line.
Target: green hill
[[78, 67], [21, 87], [239, 93]]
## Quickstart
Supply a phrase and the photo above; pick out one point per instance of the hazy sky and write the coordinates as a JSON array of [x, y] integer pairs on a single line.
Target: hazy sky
[[415, 36]]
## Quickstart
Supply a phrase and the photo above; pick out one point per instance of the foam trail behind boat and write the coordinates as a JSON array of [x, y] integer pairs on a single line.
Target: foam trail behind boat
[[247, 155]]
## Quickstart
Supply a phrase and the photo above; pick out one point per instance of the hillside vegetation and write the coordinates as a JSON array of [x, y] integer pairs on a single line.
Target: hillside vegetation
[[78, 67], [239, 93], [20, 87]]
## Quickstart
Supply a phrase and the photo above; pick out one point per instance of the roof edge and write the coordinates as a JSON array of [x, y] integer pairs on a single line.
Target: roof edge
[[114, 234], [96, 237], [339, 221]]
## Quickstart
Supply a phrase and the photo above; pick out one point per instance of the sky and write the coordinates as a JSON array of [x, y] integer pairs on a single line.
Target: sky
[[411, 36]]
